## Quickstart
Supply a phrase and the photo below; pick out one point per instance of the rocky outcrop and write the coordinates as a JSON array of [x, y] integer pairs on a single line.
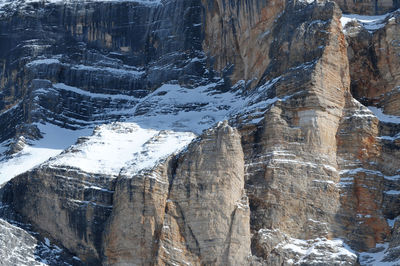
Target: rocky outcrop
[[207, 218], [361, 184], [70, 206], [370, 163], [138, 215], [238, 36], [374, 63], [184, 211], [21, 247], [291, 157]]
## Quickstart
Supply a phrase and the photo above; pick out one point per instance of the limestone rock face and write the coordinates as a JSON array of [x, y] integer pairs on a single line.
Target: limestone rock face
[[367, 182], [189, 209], [291, 157], [137, 217], [361, 185], [207, 214], [70, 206], [374, 64], [238, 36], [303, 170]]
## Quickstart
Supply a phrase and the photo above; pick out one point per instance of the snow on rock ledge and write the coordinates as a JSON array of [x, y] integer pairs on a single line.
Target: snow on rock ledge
[[318, 251], [371, 23], [36, 152], [125, 147]]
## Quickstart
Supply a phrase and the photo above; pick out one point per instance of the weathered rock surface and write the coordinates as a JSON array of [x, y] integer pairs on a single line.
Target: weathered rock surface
[[207, 218], [369, 165], [112, 48], [302, 174], [20, 245], [138, 216], [70, 206], [374, 63], [238, 36]]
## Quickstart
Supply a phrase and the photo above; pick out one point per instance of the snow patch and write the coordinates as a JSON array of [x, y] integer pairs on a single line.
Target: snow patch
[[47, 61], [62, 86], [307, 1], [392, 192], [122, 147], [376, 258], [393, 177], [156, 149], [319, 250], [55, 140], [391, 222], [359, 170], [384, 117], [390, 138], [370, 23], [156, 126]]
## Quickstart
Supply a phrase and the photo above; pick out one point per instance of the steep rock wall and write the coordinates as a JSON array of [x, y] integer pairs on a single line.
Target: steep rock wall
[[207, 215], [291, 155], [70, 206], [138, 216], [238, 36], [374, 64], [111, 48]]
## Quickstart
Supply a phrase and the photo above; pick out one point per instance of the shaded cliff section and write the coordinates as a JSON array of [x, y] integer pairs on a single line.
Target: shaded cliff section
[[112, 48]]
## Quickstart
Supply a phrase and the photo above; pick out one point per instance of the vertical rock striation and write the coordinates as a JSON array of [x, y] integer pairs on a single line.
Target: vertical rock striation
[[112, 48], [137, 217], [238, 36], [70, 206], [207, 214]]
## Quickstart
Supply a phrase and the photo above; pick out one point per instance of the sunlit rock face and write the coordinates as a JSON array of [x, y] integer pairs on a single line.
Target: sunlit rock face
[[199, 132]]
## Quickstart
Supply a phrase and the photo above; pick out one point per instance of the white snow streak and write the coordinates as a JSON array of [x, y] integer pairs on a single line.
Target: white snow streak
[[384, 117], [55, 140], [371, 23]]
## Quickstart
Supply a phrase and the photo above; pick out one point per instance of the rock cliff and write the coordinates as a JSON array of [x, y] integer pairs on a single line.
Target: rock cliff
[[199, 132]]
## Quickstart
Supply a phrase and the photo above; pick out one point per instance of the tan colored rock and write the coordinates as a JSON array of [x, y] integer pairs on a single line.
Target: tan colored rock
[[207, 218], [137, 217], [238, 35], [361, 184], [291, 160], [366, 160], [375, 64]]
